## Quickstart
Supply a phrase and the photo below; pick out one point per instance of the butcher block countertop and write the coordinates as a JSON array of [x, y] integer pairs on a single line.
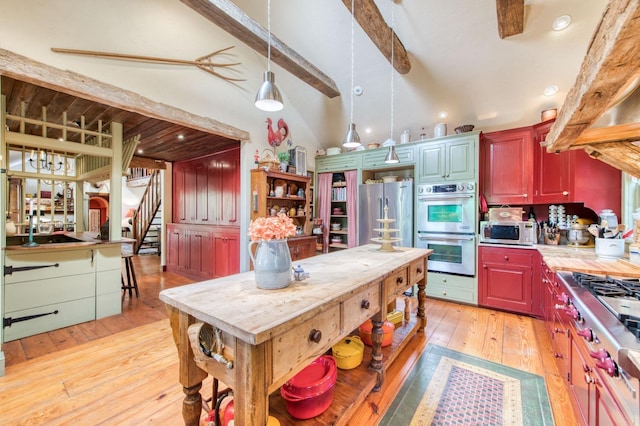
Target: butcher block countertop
[[565, 258]]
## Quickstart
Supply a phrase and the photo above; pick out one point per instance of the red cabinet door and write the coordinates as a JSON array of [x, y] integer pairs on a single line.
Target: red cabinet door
[[230, 193], [226, 254], [505, 279], [174, 257], [201, 205], [553, 173], [200, 262], [508, 166]]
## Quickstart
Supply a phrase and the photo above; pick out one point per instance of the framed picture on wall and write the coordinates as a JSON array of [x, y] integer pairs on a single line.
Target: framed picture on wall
[[94, 220]]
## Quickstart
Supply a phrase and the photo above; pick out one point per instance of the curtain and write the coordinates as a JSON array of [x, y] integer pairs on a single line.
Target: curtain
[[351, 176], [324, 206]]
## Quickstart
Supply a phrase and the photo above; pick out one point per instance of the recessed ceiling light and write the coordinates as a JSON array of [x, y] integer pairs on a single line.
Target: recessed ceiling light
[[140, 151], [181, 136], [443, 114], [368, 130], [551, 90], [561, 22]]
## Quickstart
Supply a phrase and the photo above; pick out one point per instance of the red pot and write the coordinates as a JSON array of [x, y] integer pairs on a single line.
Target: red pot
[[310, 392], [387, 333]]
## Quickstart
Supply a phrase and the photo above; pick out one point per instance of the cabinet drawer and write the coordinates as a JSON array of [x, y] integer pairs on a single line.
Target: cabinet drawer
[[108, 258], [70, 262], [396, 283], [295, 347], [25, 295], [360, 307], [513, 256], [452, 287], [417, 271], [69, 313]]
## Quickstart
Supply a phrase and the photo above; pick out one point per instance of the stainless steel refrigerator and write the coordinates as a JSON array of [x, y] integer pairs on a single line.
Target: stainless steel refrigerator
[[372, 199]]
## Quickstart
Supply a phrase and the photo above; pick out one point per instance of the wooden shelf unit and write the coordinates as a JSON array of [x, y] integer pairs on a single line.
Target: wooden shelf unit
[[263, 184]]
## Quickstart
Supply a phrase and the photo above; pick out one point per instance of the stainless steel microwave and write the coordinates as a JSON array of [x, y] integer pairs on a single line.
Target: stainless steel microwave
[[519, 233]]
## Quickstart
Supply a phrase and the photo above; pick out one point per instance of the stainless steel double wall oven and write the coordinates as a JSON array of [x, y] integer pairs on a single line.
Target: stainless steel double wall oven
[[446, 223]]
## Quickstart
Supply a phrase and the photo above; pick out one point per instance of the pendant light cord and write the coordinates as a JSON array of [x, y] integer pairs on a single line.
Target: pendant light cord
[[352, 53], [392, 40], [269, 31]]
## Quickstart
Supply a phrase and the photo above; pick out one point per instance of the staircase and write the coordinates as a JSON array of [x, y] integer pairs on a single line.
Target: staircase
[[146, 221]]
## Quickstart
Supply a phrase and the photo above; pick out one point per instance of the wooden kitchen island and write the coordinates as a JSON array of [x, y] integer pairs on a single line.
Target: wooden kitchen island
[[270, 335]]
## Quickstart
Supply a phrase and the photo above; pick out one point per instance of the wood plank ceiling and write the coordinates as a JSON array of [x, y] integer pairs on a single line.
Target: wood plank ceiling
[[159, 139]]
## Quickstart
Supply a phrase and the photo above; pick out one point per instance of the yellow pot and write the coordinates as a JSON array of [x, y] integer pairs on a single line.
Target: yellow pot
[[348, 352]]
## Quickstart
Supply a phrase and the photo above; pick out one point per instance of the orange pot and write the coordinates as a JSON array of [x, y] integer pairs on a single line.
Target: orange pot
[[387, 333]]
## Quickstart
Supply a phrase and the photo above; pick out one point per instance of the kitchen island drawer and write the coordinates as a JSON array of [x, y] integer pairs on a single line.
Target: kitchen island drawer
[[68, 313], [417, 271], [397, 283], [360, 307], [302, 344], [34, 294], [69, 262]]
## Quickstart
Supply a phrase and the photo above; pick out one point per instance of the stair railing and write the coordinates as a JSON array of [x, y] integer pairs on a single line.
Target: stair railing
[[149, 204]]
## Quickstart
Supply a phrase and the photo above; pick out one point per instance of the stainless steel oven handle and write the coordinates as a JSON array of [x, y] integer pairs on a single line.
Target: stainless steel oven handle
[[439, 239], [444, 197]]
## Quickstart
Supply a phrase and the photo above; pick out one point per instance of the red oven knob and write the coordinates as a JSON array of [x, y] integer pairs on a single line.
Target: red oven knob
[[563, 298], [587, 333], [573, 312], [600, 354], [609, 366]]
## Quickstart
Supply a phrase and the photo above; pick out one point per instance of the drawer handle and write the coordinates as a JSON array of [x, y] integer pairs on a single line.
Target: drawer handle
[[365, 304], [419, 270], [399, 280], [315, 335]]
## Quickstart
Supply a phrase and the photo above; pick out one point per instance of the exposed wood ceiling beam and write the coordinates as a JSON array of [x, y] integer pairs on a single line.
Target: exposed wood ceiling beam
[[147, 163], [610, 63], [226, 15], [510, 17], [371, 21], [620, 133]]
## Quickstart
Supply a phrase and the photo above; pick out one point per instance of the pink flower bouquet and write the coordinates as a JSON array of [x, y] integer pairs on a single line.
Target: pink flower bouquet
[[271, 228]]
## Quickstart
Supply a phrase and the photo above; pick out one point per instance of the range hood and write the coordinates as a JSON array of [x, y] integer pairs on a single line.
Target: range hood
[[601, 113]]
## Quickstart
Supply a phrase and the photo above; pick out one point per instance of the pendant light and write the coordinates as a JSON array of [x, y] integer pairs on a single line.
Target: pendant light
[[268, 97], [391, 157], [352, 138]]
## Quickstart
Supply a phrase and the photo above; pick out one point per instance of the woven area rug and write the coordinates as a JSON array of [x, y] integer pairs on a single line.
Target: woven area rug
[[447, 387]]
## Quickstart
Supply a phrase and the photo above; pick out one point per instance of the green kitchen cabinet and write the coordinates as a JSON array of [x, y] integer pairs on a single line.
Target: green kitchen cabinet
[[339, 163], [448, 159], [374, 158]]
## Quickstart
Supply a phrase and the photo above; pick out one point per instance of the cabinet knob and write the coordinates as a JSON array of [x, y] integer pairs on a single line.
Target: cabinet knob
[[588, 379], [419, 270], [484, 266], [365, 304], [399, 280], [565, 193], [444, 293], [525, 195], [506, 258], [315, 335]]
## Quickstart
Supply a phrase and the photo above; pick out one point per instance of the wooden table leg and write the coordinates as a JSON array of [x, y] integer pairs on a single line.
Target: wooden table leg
[[250, 396], [190, 375], [376, 350], [422, 297]]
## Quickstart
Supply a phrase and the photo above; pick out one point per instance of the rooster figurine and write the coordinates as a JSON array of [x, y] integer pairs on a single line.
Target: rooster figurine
[[275, 138]]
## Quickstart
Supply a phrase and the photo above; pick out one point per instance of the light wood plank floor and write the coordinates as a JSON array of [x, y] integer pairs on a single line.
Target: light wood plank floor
[[123, 370]]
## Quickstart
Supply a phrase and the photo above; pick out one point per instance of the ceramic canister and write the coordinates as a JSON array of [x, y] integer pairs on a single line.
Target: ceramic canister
[[440, 130]]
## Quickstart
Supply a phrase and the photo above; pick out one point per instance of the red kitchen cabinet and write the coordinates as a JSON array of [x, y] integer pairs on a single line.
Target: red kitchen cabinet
[[507, 166], [201, 251], [206, 190], [553, 173], [226, 253], [516, 170], [505, 279]]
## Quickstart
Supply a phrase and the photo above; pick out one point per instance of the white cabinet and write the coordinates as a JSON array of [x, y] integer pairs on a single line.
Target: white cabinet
[[49, 289], [453, 159]]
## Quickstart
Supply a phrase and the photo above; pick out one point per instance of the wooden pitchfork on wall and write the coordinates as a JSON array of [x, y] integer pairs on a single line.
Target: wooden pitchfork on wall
[[203, 62]]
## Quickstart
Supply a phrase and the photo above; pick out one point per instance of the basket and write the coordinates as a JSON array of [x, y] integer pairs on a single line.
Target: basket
[[268, 160]]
